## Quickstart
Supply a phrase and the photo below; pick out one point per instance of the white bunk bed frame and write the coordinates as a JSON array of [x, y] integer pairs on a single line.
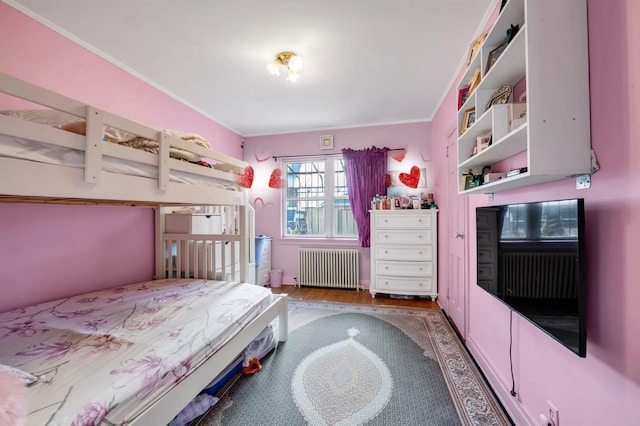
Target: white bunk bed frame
[[26, 181]]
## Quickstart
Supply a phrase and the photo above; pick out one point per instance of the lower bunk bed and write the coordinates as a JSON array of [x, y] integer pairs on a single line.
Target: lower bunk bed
[[135, 354], [138, 354]]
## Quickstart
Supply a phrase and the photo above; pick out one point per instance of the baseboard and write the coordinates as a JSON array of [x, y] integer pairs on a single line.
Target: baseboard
[[510, 403]]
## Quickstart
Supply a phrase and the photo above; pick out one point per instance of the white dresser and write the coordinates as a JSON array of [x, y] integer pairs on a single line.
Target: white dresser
[[404, 247]]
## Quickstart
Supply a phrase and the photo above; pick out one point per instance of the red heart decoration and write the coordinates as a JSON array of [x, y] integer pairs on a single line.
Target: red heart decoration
[[387, 180], [246, 180], [411, 180], [275, 180], [399, 155]]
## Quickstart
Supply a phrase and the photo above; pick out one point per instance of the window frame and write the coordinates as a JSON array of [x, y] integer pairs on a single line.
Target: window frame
[[328, 199]]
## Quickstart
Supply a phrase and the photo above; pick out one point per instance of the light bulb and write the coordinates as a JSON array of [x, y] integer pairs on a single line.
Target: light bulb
[[295, 63], [293, 76], [273, 69]]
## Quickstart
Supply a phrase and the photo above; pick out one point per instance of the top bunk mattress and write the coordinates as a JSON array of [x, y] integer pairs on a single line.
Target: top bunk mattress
[[25, 149], [108, 355]]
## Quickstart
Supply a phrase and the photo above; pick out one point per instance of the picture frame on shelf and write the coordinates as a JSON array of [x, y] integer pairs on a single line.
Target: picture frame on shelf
[[326, 142], [482, 143], [468, 119], [475, 46], [475, 80], [494, 55], [500, 96], [463, 95]]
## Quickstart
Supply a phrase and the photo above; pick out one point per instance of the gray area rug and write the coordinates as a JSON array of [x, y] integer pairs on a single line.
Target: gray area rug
[[353, 364]]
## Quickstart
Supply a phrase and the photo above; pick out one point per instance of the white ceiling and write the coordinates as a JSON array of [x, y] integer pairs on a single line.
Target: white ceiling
[[365, 61]]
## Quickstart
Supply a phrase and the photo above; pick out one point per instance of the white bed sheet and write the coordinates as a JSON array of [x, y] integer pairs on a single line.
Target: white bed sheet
[[105, 356], [26, 149]]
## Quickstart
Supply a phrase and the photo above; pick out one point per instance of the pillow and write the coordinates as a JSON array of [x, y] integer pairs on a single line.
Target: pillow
[[79, 127], [49, 117]]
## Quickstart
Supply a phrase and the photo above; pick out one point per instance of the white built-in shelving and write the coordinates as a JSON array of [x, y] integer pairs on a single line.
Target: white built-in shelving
[[550, 52]]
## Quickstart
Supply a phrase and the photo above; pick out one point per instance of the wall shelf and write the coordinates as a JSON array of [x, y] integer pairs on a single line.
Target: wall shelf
[[550, 52]]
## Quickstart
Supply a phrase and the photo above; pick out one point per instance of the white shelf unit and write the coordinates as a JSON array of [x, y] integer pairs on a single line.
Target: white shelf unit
[[550, 50]]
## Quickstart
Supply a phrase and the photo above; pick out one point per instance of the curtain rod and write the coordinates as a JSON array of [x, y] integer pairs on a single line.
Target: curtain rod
[[275, 157]]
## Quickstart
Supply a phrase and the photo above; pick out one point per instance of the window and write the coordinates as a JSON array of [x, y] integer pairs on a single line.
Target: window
[[543, 221], [316, 199]]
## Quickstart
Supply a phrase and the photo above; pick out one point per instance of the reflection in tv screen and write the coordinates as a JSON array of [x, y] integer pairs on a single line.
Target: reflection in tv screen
[[531, 256]]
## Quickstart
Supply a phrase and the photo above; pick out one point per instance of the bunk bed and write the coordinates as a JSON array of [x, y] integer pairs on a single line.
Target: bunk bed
[[82, 171]]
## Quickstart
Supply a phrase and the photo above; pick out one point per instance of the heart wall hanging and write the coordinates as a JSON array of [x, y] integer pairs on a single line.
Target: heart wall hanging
[[246, 180], [275, 180], [411, 179]]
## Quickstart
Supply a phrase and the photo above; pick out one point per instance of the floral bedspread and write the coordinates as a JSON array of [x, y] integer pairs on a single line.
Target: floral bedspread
[[103, 357]]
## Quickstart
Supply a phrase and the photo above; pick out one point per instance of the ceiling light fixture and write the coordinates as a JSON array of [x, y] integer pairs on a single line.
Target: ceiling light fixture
[[291, 61]]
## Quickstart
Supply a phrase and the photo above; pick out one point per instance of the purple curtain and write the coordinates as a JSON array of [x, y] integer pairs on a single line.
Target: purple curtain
[[365, 171]]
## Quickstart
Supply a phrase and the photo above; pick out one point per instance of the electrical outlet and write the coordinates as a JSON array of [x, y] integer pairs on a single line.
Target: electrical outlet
[[553, 415]]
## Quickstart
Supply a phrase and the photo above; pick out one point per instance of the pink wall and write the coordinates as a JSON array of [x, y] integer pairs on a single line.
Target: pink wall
[[49, 251], [52, 251], [415, 138], [32, 52], [604, 387]]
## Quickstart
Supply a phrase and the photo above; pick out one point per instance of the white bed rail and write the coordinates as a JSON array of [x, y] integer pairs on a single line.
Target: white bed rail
[[94, 183]]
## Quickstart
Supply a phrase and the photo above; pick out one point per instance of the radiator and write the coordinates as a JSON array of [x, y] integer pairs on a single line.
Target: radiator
[[333, 268], [541, 275]]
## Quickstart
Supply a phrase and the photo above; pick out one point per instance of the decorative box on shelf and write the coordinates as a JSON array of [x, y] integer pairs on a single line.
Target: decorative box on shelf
[[517, 115]]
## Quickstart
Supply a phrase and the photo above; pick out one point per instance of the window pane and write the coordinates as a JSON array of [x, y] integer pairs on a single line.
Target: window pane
[[305, 218], [305, 179], [345, 226], [515, 222], [549, 220], [559, 219], [340, 179]]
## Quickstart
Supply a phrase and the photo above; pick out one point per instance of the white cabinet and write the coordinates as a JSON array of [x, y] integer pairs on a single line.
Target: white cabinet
[[263, 260], [404, 252], [550, 51], [193, 224]]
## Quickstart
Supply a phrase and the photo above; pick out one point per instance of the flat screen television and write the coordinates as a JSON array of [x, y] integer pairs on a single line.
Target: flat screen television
[[531, 256]]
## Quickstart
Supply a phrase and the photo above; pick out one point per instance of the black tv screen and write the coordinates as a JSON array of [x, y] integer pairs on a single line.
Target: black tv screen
[[531, 257]]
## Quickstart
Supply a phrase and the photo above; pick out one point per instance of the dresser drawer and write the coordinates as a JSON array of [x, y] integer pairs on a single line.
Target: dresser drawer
[[262, 277], [417, 285], [402, 220], [404, 253], [486, 255], [192, 224], [485, 271], [485, 238], [403, 236], [405, 269]]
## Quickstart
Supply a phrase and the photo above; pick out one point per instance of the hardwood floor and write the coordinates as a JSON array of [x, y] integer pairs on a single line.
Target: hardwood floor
[[362, 297]]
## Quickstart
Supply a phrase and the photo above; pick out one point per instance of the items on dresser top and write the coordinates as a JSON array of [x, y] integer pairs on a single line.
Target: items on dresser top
[[404, 252]]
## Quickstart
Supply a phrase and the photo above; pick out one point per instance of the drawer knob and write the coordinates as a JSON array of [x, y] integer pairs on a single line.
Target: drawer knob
[[420, 253], [386, 236], [386, 267], [386, 252], [420, 220], [420, 236], [420, 284], [385, 221]]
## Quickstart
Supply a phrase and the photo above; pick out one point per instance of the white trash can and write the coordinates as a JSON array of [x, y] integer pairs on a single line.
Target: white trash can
[[275, 277]]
